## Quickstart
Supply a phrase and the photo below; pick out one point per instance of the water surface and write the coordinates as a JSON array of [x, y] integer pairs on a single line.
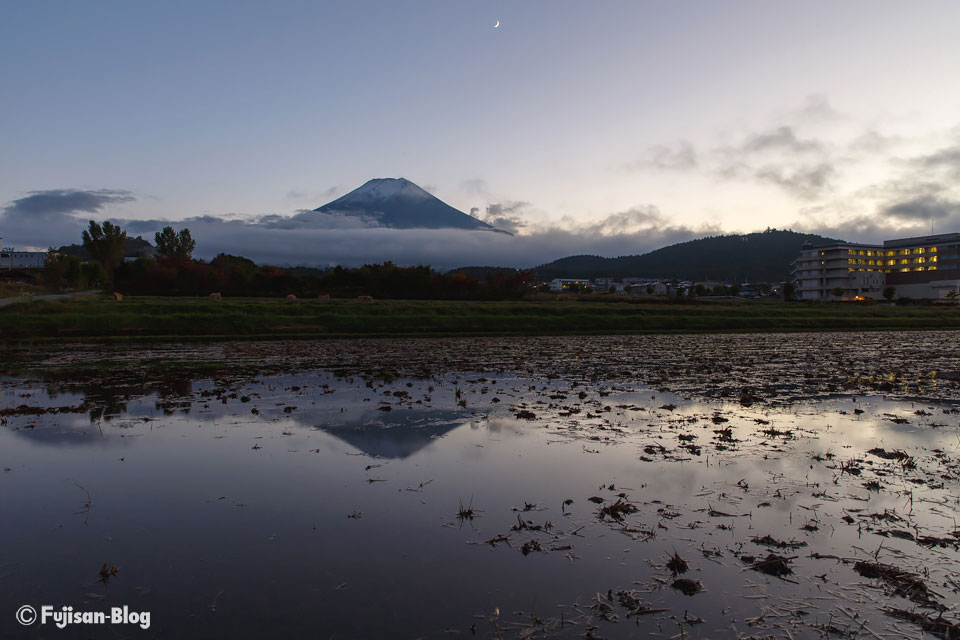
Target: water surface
[[329, 503]]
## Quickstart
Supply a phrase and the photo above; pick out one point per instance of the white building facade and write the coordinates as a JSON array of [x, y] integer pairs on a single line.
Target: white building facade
[[10, 258]]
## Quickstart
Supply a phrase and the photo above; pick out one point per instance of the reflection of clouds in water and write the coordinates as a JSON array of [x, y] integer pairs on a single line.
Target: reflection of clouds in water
[[71, 431], [500, 426], [875, 427]]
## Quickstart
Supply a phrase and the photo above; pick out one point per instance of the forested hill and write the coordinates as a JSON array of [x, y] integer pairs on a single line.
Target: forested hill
[[754, 257]]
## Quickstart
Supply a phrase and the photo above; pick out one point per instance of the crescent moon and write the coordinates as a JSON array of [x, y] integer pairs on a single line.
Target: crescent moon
[[497, 26]]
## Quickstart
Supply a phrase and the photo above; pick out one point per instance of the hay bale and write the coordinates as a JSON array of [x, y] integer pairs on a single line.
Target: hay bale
[[216, 296], [290, 299], [325, 297], [365, 298]]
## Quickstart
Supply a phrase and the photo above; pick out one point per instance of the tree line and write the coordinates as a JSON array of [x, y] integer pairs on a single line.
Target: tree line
[[174, 272]]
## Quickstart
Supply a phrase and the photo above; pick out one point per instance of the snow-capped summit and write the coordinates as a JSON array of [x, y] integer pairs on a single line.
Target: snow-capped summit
[[400, 204], [380, 189]]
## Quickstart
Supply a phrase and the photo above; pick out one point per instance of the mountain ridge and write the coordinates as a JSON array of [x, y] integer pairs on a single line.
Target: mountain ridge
[[763, 256]]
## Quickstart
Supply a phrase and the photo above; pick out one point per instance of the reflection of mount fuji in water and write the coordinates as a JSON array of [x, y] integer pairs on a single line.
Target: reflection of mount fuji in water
[[397, 434]]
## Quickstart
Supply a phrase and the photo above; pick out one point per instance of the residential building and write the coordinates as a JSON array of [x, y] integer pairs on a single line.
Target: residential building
[[10, 258]]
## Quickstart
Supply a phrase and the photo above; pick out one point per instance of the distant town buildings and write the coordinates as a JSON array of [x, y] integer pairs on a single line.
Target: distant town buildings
[[659, 287], [570, 284], [923, 267]]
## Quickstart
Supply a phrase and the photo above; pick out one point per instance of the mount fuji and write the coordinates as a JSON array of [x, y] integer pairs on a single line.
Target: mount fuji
[[398, 203]]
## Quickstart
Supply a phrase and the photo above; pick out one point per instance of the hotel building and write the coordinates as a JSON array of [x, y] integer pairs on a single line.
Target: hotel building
[[923, 267]]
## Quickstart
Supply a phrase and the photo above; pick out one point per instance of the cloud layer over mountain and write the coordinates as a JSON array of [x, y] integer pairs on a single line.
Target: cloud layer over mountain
[[50, 218]]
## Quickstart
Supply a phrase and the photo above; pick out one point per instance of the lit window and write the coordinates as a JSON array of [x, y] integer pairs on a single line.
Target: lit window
[[933, 249]]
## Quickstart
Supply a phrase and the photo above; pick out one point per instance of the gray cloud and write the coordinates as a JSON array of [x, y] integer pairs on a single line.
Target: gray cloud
[[947, 159], [871, 228], [923, 208], [801, 167], [903, 187], [475, 187], [805, 182], [921, 194], [872, 141], [48, 218], [817, 108], [320, 197], [504, 216], [864, 228], [59, 202], [498, 209], [782, 138], [904, 216], [663, 158], [645, 218], [307, 219]]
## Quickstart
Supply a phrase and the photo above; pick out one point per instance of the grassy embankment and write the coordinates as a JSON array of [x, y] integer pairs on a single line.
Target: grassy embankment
[[103, 317]]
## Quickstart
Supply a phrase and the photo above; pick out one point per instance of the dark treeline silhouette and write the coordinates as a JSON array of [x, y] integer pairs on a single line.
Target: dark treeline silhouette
[[237, 276]]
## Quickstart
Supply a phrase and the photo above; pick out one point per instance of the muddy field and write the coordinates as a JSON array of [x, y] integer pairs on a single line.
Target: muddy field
[[748, 486]]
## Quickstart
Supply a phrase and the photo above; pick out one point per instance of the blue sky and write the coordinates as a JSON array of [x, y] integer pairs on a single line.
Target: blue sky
[[602, 127]]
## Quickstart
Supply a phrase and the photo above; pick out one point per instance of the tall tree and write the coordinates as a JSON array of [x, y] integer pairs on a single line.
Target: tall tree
[[178, 246], [105, 244]]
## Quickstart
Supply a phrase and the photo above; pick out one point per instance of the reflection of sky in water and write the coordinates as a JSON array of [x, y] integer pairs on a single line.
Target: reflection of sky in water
[[244, 503]]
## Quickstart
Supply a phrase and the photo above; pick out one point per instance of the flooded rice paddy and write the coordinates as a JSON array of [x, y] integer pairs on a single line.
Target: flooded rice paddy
[[784, 486]]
